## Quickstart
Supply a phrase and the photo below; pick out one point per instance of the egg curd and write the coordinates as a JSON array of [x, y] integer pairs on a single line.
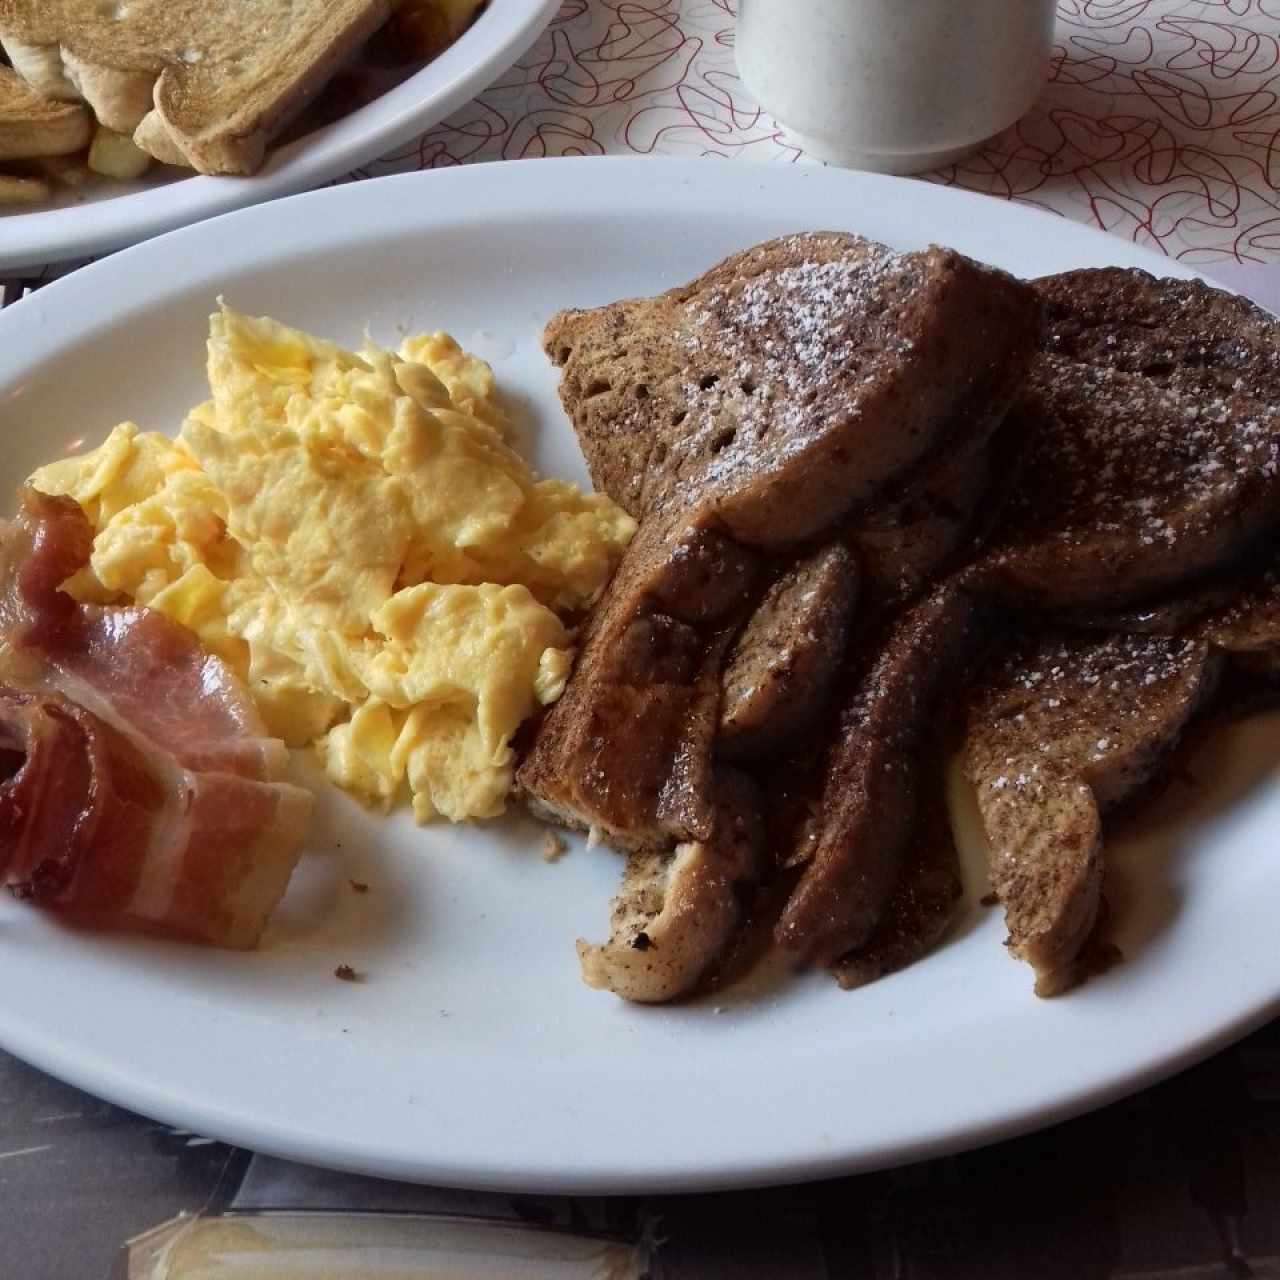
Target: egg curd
[[352, 534]]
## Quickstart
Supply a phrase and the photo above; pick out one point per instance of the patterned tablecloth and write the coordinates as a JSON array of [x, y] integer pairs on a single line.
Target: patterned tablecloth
[[1160, 121]]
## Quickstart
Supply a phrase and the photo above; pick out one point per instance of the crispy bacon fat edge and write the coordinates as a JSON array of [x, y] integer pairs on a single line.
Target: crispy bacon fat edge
[[138, 786]]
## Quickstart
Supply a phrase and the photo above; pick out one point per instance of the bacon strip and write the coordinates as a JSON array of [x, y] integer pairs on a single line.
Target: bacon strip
[[150, 670], [138, 786]]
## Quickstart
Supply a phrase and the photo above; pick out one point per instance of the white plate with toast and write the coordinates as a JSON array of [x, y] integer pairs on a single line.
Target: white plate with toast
[[473, 1055], [104, 214]]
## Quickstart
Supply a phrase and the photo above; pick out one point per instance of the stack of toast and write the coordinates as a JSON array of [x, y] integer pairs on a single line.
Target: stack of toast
[[895, 505], [206, 86], [35, 131]]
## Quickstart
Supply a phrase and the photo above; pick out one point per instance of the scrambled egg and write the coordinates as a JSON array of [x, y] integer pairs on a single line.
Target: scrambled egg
[[352, 534]]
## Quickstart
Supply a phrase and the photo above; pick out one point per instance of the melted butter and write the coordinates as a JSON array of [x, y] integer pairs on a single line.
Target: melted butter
[[1219, 766], [754, 966], [966, 831]]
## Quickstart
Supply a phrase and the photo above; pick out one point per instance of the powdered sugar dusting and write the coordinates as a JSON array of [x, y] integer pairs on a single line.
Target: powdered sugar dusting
[[783, 352], [1056, 707], [1114, 453]]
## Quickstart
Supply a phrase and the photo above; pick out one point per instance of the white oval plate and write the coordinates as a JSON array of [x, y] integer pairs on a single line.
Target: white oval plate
[[106, 215], [473, 1055]]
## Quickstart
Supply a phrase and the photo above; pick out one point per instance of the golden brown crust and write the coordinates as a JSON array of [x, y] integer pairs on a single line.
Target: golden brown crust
[[211, 83], [32, 125]]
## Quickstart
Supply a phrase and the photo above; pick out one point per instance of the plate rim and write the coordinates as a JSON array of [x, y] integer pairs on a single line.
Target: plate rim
[[499, 38], [63, 306]]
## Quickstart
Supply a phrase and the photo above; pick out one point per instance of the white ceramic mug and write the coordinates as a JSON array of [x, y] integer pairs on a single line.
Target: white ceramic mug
[[896, 86]]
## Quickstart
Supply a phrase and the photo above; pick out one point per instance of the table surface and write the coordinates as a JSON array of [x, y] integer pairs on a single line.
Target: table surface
[[1160, 124], [1159, 121], [1181, 1182]]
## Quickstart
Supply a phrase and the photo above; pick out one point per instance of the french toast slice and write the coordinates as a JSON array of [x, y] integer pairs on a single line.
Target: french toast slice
[[904, 352], [870, 805], [926, 896], [1153, 445], [626, 751], [760, 407], [1061, 729], [784, 665], [794, 382], [195, 83], [1142, 486], [788, 656], [1131, 485]]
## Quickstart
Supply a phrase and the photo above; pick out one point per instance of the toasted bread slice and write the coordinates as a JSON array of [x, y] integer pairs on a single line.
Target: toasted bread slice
[[207, 85], [32, 125], [792, 383], [40, 66], [23, 191], [1062, 729]]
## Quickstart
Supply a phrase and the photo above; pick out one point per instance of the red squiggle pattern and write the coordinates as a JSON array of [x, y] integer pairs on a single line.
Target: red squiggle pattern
[[1161, 120]]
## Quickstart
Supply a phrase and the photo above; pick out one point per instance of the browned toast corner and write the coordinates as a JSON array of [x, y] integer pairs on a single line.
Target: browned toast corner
[[32, 125], [197, 83]]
